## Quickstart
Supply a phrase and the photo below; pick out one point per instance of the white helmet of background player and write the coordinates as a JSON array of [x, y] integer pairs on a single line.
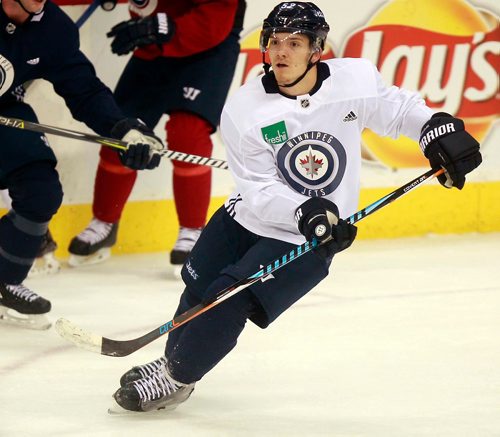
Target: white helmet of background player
[[295, 17]]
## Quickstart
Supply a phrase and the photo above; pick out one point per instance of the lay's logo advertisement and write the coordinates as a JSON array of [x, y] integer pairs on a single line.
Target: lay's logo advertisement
[[447, 50]]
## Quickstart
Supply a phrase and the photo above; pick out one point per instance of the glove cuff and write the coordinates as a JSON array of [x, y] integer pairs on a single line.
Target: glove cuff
[[311, 205], [120, 129]]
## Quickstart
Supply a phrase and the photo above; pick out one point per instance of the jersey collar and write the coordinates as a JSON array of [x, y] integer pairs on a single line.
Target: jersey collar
[[271, 86]]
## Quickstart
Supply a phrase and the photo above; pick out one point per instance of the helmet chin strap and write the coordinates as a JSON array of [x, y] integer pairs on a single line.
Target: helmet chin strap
[[31, 14], [296, 81]]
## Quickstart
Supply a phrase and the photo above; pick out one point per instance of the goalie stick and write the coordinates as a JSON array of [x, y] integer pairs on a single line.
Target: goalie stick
[[121, 348], [105, 141]]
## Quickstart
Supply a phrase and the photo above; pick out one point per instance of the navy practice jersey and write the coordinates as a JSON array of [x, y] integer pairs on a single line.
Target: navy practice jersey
[[282, 151], [47, 47]]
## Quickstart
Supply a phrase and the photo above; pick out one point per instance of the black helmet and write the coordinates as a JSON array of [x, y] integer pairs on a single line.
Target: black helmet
[[296, 17]]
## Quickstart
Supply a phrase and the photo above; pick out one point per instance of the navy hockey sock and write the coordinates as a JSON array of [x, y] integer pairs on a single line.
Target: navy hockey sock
[[20, 240]]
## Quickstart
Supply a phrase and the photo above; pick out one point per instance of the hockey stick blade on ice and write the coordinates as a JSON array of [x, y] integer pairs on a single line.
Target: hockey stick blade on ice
[[121, 348], [105, 141]]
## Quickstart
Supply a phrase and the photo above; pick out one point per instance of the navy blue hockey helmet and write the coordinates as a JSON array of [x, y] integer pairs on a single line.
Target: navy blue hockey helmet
[[296, 17]]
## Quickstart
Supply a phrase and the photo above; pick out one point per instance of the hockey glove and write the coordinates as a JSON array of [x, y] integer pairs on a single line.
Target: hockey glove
[[447, 144], [319, 218], [137, 32], [143, 147]]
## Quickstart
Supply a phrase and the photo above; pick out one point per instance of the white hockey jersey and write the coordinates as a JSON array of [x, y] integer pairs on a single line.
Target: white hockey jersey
[[283, 150]]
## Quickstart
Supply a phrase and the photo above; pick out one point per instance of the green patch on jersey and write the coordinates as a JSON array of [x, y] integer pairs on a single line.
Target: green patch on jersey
[[275, 133]]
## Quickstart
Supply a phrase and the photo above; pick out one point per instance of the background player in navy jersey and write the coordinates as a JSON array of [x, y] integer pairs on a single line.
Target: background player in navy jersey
[[39, 41], [184, 56], [293, 142]]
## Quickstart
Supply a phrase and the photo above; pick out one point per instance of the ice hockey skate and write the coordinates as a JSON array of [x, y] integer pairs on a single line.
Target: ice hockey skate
[[158, 391], [138, 372], [46, 263], [185, 241], [93, 244], [19, 306]]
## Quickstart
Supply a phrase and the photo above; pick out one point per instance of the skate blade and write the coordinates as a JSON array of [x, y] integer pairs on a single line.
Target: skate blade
[[38, 322], [45, 265], [85, 260], [117, 410]]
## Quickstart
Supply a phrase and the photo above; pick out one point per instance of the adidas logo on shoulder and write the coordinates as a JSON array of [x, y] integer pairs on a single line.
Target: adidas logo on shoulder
[[33, 61], [350, 117]]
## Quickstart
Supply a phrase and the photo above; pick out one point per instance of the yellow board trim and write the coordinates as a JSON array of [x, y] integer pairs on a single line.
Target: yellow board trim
[[151, 226]]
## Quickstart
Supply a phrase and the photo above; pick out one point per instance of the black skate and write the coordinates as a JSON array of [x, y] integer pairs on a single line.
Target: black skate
[[185, 242], [138, 372], [22, 307], [157, 391], [45, 263], [93, 244]]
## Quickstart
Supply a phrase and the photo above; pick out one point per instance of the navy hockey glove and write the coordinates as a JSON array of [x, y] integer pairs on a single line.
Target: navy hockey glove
[[143, 146], [137, 32], [319, 218], [447, 144]]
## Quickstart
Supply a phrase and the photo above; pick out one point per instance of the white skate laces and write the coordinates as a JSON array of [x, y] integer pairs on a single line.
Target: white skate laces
[[138, 372], [187, 239], [22, 292], [153, 366], [21, 307], [157, 385], [95, 232], [93, 245], [157, 391]]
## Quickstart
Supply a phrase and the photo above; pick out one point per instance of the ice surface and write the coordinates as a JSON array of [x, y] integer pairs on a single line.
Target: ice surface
[[402, 339]]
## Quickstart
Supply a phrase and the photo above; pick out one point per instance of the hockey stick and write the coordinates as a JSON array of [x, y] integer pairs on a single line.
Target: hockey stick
[[121, 348], [87, 13], [105, 141]]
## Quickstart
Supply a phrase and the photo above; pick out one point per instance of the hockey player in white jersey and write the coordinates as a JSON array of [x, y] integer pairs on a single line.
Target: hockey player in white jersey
[[293, 139]]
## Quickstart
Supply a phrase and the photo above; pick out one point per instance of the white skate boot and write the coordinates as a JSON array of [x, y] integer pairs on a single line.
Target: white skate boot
[[19, 306], [45, 263], [157, 391], [185, 241], [138, 372], [93, 244]]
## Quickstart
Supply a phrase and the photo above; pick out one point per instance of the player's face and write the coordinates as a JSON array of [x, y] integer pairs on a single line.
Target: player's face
[[33, 6], [289, 54]]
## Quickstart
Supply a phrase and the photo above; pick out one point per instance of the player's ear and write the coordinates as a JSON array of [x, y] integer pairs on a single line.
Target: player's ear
[[317, 52]]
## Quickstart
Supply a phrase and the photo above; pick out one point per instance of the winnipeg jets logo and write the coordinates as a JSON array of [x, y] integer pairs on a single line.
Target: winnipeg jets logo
[[312, 163], [6, 74]]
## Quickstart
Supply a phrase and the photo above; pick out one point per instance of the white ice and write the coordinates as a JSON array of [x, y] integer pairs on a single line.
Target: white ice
[[403, 339]]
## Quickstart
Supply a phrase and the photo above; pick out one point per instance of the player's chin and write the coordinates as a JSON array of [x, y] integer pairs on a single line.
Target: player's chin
[[282, 75]]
